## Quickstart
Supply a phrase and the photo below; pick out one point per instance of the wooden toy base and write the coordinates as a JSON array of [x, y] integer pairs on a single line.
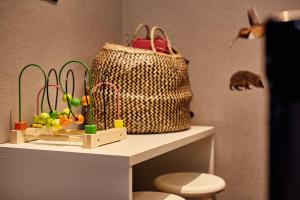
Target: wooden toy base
[[88, 140]]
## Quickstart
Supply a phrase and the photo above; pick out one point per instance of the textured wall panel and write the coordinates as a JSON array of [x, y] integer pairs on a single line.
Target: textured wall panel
[[36, 31]]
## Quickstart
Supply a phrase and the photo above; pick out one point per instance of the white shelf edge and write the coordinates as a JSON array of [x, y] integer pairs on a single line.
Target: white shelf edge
[[146, 155]]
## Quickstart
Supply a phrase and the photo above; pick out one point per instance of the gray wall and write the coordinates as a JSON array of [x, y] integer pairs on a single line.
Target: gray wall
[[201, 30], [35, 31]]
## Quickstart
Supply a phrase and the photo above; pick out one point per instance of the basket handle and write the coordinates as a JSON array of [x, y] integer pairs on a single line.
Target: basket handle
[[165, 36], [137, 30]]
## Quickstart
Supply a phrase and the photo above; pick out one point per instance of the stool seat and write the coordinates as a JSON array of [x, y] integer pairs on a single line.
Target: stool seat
[[190, 184], [155, 196]]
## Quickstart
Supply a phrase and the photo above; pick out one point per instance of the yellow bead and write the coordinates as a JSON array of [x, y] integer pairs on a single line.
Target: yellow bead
[[36, 119], [66, 111], [118, 123], [37, 125], [69, 96]]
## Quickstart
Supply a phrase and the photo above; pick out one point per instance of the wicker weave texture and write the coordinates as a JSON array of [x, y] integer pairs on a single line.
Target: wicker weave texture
[[155, 89]]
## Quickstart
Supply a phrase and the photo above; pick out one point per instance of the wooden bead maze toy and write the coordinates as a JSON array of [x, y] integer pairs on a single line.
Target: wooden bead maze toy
[[53, 125]]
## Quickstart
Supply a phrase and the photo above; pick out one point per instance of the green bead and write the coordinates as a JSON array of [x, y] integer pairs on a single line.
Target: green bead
[[90, 129], [69, 97], [49, 123], [53, 114], [75, 102], [44, 116], [42, 121], [56, 125]]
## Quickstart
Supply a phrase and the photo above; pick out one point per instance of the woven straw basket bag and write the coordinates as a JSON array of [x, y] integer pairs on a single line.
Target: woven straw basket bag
[[155, 88]]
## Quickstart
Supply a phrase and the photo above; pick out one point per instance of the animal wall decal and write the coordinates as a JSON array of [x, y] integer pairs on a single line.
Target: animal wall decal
[[244, 79]]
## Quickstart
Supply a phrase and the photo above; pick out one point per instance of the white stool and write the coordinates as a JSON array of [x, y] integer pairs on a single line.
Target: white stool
[[189, 184], [155, 196]]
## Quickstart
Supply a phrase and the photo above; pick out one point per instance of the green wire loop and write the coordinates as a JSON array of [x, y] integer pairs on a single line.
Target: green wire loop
[[20, 96], [90, 85]]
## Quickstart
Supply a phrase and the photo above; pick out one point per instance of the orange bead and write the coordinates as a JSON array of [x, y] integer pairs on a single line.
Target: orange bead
[[65, 121], [79, 119], [61, 119], [85, 100]]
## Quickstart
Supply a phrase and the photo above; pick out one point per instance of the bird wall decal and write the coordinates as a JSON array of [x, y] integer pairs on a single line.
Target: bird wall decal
[[256, 29]]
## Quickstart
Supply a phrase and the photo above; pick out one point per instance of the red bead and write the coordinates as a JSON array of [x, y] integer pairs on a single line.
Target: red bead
[[20, 126]]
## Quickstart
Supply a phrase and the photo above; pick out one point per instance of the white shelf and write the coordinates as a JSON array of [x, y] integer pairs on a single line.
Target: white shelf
[[136, 148], [68, 169]]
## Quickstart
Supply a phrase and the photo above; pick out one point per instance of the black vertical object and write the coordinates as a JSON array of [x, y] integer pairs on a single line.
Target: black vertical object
[[282, 67]]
